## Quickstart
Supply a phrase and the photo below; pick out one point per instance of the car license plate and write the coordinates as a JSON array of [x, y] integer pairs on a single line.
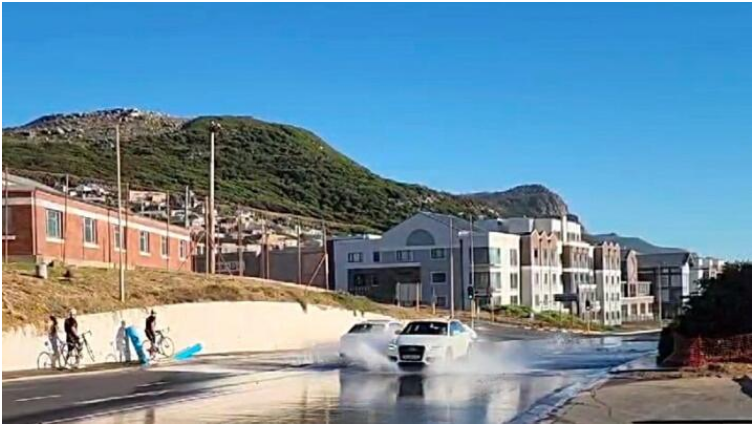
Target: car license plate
[[412, 357]]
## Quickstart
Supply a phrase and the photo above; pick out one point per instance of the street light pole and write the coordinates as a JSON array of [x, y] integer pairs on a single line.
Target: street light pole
[[121, 239]]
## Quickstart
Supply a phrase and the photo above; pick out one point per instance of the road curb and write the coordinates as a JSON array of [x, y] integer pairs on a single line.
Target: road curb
[[545, 408]]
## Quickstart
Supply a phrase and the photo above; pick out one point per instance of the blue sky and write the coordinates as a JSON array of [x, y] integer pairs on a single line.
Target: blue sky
[[639, 115]]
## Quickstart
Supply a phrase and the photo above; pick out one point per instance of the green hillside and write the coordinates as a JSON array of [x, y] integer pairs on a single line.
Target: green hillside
[[268, 166]]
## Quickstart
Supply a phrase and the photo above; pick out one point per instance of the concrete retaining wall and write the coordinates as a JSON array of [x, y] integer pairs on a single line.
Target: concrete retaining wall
[[221, 327]]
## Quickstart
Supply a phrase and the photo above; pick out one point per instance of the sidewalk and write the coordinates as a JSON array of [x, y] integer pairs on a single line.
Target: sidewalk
[[661, 397]]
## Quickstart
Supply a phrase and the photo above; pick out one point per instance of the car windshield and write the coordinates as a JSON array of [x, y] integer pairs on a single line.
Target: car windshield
[[364, 328], [431, 328]]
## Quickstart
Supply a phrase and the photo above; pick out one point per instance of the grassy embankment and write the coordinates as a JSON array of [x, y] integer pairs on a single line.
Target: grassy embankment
[[30, 300], [27, 299]]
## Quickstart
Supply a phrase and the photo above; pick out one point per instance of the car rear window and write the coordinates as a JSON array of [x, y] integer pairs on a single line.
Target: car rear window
[[362, 328], [427, 328]]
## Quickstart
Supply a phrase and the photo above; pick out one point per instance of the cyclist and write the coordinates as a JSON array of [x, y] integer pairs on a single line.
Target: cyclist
[[71, 327], [149, 330], [52, 336]]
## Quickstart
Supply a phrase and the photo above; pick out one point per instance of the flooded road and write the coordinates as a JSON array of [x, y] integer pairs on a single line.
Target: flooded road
[[500, 382]]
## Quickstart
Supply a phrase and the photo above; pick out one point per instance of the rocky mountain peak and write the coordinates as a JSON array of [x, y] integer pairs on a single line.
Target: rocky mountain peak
[[96, 125]]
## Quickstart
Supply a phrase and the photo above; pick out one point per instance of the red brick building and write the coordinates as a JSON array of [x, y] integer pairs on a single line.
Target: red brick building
[[40, 223]]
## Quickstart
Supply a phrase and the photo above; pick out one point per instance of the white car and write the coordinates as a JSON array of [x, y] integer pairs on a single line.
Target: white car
[[430, 341], [368, 339]]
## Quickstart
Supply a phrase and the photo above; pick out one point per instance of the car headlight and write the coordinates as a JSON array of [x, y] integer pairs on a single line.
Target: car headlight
[[392, 346], [435, 348]]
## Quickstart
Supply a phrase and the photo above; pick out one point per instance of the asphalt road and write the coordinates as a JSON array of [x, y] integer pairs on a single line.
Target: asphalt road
[[509, 377]]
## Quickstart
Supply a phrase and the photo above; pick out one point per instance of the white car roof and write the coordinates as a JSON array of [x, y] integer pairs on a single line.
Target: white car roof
[[446, 320], [380, 322]]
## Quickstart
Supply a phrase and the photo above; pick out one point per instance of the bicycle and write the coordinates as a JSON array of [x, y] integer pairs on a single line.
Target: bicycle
[[74, 358], [163, 345], [46, 358]]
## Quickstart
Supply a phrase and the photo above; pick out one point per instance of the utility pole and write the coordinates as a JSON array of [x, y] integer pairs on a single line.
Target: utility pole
[[207, 236], [659, 303], [186, 206], [239, 240], [168, 230], [472, 272], [65, 221], [214, 127], [299, 252], [121, 231], [6, 217], [325, 257], [451, 267]]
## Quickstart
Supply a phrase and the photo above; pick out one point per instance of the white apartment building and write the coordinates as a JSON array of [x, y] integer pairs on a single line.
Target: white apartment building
[[434, 251], [608, 273], [540, 259]]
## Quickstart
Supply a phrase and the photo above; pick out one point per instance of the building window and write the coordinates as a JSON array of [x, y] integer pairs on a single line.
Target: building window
[[117, 238], [164, 246], [376, 257], [438, 277], [441, 301], [90, 231], [54, 224], [438, 253], [536, 278], [513, 257], [537, 300], [182, 249], [513, 281], [494, 256], [403, 256], [354, 257], [144, 242], [554, 279], [513, 300], [496, 280]]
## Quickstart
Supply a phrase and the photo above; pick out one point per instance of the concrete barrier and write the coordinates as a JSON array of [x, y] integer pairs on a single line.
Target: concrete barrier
[[221, 327]]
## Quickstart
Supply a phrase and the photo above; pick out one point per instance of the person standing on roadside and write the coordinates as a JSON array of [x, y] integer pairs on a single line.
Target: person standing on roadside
[[52, 336], [149, 330], [71, 327]]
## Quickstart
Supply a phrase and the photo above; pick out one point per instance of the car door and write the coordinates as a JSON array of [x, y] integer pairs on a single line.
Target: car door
[[458, 339]]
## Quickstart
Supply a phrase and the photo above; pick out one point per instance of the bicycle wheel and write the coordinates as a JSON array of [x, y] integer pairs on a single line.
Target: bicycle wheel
[[44, 361], [166, 347], [74, 358], [90, 353]]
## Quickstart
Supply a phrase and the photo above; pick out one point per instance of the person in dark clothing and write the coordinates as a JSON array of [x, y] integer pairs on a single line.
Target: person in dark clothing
[[149, 330], [71, 328]]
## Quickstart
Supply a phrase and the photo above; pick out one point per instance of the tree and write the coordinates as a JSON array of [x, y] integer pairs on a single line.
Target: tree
[[723, 308]]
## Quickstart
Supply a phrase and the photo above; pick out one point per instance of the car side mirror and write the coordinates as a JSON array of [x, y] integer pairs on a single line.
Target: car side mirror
[[397, 332]]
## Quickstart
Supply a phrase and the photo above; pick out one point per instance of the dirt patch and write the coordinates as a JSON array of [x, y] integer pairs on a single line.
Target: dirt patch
[[30, 300], [723, 370]]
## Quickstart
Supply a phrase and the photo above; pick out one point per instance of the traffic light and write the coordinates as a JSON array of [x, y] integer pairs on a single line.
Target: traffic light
[[470, 292]]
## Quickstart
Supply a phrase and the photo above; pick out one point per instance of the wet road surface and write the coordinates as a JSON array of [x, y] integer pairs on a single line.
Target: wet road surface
[[502, 381]]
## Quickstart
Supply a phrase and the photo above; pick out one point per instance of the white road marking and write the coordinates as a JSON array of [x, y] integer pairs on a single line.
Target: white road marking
[[37, 398], [152, 384], [120, 397]]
